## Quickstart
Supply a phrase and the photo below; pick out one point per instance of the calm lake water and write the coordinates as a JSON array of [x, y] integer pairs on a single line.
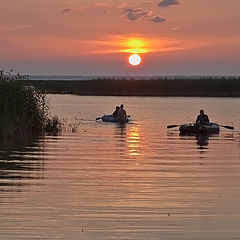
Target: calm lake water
[[138, 181]]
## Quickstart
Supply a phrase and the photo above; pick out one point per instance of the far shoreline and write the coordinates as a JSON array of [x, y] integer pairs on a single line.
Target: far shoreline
[[160, 87]]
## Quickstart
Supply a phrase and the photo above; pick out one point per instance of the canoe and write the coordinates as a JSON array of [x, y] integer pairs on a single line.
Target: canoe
[[110, 118], [199, 128]]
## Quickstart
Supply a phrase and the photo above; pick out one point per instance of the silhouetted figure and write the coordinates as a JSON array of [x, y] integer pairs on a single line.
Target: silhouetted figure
[[202, 118], [116, 112], [122, 115]]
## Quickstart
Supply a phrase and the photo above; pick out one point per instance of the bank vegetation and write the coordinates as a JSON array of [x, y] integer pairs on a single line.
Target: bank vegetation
[[23, 108], [202, 87]]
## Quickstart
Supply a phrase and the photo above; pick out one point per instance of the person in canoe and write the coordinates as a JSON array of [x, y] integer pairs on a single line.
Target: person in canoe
[[121, 115], [202, 118], [116, 112]]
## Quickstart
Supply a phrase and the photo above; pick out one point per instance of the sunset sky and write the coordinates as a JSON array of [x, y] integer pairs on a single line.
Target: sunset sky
[[89, 37]]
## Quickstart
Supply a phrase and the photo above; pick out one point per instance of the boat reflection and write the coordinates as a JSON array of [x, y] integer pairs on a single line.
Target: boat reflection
[[120, 137], [202, 140]]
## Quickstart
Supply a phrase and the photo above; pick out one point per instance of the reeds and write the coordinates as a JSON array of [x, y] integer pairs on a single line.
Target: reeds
[[23, 108]]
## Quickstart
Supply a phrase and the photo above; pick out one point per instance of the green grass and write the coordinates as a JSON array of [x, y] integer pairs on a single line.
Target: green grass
[[23, 109]]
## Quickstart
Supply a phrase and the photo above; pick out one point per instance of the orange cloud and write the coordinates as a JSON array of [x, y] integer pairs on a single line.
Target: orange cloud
[[52, 47], [136, 44]]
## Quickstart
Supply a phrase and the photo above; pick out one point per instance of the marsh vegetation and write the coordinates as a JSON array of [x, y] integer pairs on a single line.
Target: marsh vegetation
[[23, 108]]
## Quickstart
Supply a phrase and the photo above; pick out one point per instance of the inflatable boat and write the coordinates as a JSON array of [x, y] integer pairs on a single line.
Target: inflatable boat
[[110, 118], [199, 128]]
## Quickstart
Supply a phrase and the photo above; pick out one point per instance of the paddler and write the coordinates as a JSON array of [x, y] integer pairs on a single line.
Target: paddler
[[116, 112], [202, 118], [121, 115]]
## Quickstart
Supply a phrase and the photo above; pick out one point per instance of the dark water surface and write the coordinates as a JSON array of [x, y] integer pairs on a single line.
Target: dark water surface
[[138, 181]]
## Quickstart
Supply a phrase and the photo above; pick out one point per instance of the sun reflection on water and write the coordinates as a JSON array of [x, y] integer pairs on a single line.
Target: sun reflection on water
[[134, 141], [129, 140]]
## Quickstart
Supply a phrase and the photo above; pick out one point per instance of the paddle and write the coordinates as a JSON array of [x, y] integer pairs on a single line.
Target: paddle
[[228, 127], [176, 125], [173, 126]]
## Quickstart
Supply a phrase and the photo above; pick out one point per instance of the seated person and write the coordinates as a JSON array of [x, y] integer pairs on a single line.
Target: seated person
[[116, 112], [122, 115], [202, 118]]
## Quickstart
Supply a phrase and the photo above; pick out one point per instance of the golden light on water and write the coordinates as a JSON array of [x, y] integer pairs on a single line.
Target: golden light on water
[[134, 141]]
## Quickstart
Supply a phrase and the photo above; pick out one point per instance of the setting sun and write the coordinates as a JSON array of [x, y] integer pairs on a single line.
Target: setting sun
[[134, 59]]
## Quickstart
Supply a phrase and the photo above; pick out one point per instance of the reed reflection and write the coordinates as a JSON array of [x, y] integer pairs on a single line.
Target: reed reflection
[[20, 160]]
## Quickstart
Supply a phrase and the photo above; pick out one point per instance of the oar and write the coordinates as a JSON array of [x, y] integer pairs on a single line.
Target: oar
[[173, 126], [176, 125], [228, 127]]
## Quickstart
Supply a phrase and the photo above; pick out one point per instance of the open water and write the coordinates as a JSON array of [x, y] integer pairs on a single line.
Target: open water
[[100, 181]]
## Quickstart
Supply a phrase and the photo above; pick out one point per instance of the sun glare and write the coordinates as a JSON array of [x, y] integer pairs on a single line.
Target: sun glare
[[135, 46], [134, 59]]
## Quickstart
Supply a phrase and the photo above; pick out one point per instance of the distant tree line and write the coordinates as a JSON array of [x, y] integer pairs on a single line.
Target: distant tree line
[[202, 87]]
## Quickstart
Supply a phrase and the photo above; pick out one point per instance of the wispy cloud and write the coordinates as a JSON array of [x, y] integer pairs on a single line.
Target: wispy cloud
[[56, 47], [97, 8], [132, 14], [139, 13], [157, 19], [6, 28], [167, 3], [135, 44], [102, 8], [66, 10], [135, 14], [150, 45]]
